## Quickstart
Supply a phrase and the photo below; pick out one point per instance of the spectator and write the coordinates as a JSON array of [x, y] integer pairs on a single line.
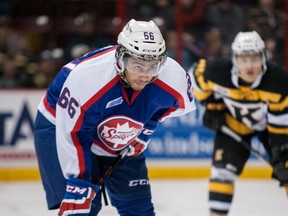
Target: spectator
[[8, 78], [268, 21], [25, 75], [49, 65], [6, 7], [192, 16], [187, 55], [227, 16], [87, 35], [164, 14]]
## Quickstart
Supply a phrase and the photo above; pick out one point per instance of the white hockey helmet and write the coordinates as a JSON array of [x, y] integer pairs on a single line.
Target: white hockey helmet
[[249, 43], [140, 39]]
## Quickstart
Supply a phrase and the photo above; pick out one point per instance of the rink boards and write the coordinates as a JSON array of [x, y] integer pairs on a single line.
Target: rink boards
[[180, 148]]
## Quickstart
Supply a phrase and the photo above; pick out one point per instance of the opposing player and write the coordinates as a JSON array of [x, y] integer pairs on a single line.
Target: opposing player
[[249, 95], [106, 101]]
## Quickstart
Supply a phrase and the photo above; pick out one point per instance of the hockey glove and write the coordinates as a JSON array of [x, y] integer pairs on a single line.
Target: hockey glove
[[136, 147], [280, 172], [280, 162], [213, 119], [78, 197]]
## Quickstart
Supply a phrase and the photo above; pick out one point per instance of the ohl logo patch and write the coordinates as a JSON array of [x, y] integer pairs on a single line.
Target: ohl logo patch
[[118, 131]]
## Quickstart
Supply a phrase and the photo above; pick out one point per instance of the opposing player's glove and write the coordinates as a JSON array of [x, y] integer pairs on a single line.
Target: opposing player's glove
[[136, 147], [279, 162], [280, 172], [78, 197], [213, 119]]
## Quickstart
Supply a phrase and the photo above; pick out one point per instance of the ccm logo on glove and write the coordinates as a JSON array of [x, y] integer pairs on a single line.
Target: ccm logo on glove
[[73, 189], [78, 197]]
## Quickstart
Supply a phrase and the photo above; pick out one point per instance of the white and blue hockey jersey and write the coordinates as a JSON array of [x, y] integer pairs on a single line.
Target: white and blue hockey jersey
[[94, 112]]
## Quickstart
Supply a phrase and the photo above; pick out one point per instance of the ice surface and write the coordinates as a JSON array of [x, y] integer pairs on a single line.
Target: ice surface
[[171, 198]]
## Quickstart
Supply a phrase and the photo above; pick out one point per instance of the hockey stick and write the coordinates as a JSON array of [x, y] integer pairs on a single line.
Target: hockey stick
[[111, 167], [239, 139], [108, 172]]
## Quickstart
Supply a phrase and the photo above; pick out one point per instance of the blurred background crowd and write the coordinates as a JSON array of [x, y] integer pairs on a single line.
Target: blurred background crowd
[[37, 37]]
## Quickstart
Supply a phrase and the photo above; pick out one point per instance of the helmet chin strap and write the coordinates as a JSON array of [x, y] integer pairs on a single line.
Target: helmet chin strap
[[124, 80], [120, 67]]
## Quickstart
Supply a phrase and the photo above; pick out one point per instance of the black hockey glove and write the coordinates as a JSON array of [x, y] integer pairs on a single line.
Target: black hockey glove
[[280, 172], [213, 119], [279, 162]]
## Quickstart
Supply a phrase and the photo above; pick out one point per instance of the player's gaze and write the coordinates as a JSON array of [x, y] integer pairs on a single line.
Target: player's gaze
[[249, 60], [142, 67]]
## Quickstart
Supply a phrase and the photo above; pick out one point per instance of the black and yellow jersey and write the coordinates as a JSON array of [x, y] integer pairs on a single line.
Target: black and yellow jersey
[[263, 105]]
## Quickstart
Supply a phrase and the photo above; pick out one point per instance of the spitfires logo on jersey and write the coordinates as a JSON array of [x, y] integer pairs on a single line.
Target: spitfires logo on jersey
[[118, 131]]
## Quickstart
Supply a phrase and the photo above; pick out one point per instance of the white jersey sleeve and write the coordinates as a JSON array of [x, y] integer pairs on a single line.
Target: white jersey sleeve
[[179, 80]]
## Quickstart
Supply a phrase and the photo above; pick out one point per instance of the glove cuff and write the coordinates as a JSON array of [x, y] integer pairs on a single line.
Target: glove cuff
[[83, 183]]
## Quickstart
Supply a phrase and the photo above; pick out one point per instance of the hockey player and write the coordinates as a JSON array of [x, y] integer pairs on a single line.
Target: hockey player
[[249, 95], [106, 101]]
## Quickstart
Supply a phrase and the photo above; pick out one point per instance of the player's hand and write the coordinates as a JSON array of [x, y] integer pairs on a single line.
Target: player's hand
[[279, 151], [136, 147], [280, 172], [78, 197], [279, 162], [213, 119]]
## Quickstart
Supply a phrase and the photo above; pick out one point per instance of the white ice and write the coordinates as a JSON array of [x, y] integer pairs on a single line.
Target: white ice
[[170, 197]]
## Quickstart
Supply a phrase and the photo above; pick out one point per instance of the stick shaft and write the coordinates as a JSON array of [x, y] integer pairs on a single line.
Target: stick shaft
[[239, 139], [111, 167]]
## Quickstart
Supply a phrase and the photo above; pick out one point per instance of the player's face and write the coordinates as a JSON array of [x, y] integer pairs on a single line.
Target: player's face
[[139, 72], [250, 66]]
